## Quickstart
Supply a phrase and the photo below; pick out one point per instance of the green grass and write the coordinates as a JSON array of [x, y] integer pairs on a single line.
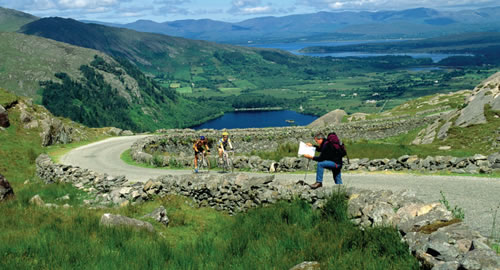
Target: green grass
[[184, 90], [275, 237]]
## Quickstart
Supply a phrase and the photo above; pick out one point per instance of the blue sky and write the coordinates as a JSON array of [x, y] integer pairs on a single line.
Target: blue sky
[[123, 11]]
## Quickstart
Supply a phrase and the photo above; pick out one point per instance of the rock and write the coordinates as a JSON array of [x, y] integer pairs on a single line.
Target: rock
[[54, 131], [331, 118], [127, 133], [6, 191], [115, 131], [37, 200], [160, 215], [111, 220], [444, 147], [4, 117], [443, 131], [307, 266], [473, 114]]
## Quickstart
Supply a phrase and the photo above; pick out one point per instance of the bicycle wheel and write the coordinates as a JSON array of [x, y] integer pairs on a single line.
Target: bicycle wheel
[[203, 163], [229, 162]]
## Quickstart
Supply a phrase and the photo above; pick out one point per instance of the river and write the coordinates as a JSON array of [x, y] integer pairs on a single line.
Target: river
[[257, 119]]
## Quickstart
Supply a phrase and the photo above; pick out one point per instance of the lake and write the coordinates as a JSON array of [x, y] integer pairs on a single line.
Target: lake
[[257, 119], [295, 47]]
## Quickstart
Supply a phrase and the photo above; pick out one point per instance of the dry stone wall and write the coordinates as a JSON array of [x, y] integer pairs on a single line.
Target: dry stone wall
[[449, 245], [182, 145]]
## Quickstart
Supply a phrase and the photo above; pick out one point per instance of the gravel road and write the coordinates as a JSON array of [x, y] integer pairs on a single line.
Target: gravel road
[[478, 196]]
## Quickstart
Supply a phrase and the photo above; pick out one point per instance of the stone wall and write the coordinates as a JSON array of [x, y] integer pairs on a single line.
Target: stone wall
[[433, 235], [173, 145]]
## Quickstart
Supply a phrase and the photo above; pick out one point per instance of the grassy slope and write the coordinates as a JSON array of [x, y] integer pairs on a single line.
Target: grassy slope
[[27, 60], [11, 20]]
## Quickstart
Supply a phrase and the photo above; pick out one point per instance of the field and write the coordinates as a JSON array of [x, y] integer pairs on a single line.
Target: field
[[358, 90]]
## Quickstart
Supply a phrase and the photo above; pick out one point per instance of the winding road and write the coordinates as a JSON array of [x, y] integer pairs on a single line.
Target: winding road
[[478, 196]]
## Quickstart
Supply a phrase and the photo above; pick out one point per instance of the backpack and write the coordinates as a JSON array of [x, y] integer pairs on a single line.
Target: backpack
[[339, 147]]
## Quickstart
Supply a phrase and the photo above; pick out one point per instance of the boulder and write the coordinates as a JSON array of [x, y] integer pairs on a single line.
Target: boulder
[[37, 200], [6, 191], [54, 131], [4, 118], [111, 220], [160, 215], [307, 266], [115, 131], [331, 118]]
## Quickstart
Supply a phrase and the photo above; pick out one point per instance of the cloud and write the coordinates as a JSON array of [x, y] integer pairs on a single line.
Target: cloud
[[390, 4], [250, 7], [82, 5]]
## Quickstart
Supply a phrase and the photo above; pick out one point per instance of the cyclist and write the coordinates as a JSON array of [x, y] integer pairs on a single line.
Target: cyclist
[[200, 146], [223, 144]]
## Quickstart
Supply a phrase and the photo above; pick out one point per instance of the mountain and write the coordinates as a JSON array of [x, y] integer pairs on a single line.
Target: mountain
[[206, 64], [90, 87], [11, 20], [410, 23]]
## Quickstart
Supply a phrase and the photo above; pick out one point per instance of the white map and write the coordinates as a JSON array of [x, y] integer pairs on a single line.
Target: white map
[[306, 150]]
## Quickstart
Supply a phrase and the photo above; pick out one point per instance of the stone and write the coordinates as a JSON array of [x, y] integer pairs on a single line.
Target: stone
[[307, 266], [6, 191], [4, 117], [127, 133], [110, 220], [160, 215], [444, 147], [37, 200], [115, 131]]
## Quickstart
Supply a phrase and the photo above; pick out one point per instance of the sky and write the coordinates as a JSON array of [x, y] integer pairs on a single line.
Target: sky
[[125, 11]]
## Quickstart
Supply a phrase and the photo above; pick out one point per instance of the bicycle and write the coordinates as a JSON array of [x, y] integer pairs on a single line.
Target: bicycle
[[227, 161], [203, 163]]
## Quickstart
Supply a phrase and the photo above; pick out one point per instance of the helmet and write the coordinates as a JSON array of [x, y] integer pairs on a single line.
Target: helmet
[[225, 134], [202, 138]]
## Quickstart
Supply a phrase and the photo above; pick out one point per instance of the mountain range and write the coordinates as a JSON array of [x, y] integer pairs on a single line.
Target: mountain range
[[410, 23]]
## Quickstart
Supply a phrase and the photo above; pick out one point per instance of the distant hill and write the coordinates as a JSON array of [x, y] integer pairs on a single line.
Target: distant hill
[[11, 20], [410, 23], [90, 87], [152, 52]]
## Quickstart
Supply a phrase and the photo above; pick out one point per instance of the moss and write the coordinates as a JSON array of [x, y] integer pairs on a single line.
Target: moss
[[428, 229]]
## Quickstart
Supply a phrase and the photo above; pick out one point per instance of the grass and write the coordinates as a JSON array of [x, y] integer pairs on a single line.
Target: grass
[[275, 237]]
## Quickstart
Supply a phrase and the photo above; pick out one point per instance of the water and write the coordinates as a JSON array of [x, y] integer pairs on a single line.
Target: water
[[295, 47], [257, 119], [416, 69]]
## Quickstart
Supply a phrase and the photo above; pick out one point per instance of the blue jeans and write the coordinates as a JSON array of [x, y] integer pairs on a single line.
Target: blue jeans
[[328, 165]]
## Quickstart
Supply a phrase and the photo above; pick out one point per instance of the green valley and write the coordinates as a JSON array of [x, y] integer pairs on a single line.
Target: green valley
[[229, 77]]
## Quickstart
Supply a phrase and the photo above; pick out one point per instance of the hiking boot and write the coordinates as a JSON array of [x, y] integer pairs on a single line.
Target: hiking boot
[[316, 185]]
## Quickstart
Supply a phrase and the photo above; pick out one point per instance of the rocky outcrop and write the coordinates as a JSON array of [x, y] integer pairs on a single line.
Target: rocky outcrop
[[435, 238], [6, 191], [330, 119], [4, 117], [487, 93]]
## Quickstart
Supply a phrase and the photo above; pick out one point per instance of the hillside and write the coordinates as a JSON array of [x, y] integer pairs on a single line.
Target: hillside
[[11, 20], [322, 26], [89, 86]]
